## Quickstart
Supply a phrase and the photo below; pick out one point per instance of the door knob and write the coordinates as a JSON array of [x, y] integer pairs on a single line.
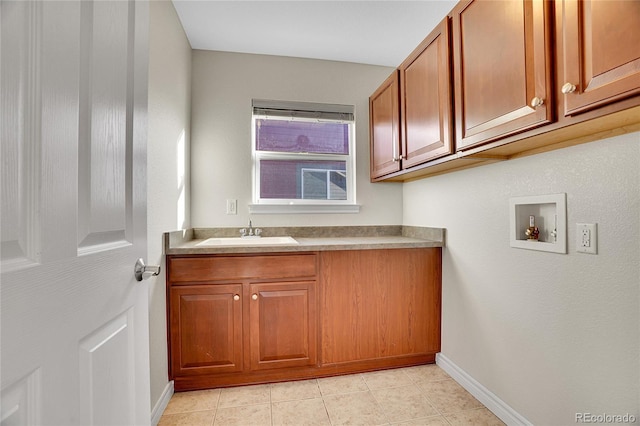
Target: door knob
[[236, 297], [568, 88], [140, 269], [254, 296]]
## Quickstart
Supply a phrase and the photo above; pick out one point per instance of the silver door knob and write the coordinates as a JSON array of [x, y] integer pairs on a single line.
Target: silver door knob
[[568, 88], [254, 296], [236, 297], [536, 102], [140, 269]]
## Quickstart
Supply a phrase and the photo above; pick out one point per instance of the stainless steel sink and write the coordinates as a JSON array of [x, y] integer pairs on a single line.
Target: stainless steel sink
[[248, 241]]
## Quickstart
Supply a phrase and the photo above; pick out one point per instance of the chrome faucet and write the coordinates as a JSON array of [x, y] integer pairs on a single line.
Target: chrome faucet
[[252, 232]]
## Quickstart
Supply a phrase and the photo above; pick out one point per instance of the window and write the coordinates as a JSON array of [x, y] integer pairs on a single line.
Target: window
[[303, 155]]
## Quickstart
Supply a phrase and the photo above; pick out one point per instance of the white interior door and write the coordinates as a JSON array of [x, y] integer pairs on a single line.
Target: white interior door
[[74, 322]]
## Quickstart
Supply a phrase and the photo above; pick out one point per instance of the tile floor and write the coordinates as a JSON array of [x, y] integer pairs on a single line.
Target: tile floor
[[422, 395]]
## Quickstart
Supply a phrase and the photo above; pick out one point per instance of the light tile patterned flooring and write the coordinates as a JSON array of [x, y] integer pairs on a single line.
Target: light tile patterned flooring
[[422, 395]]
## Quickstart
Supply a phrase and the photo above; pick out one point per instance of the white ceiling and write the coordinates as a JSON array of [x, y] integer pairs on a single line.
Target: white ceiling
[[382, 32]]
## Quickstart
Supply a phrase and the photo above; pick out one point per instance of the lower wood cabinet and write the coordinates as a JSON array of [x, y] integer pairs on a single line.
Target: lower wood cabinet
[[239, 319], [206, 329], [283, 325], [232, 317], [380, 305]]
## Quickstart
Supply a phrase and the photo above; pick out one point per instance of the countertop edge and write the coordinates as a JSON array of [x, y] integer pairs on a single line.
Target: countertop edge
[[310, 239]]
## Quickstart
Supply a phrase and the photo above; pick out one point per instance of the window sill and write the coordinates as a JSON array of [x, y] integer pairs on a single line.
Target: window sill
[[303, 208]]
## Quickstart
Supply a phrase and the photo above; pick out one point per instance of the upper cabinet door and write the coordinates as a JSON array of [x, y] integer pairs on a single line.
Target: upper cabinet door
[[601, 45], [384, 128], [502, 69], [425, 99]]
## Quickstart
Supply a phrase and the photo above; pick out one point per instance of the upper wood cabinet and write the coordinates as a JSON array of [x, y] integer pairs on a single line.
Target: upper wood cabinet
[[528, 76], [600, 52], [425, 99], [384, 128], [502, 69]]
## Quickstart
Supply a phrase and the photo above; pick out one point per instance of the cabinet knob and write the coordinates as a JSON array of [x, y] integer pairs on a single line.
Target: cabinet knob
[[254, 296], [236, 297], [568, 88], [536, 102]]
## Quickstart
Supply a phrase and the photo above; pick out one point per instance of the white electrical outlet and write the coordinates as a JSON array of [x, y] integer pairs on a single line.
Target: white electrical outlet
[[587, 238], [232, 206]]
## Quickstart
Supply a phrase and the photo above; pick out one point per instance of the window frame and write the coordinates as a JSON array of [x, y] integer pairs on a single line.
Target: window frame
[[276, 205]]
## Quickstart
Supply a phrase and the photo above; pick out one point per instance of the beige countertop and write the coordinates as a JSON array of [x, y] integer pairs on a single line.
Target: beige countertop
[[308, 238]]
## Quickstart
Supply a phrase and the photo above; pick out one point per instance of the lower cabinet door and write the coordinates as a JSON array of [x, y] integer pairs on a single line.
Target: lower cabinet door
[[206, 329], [380, 304], [282, 325]]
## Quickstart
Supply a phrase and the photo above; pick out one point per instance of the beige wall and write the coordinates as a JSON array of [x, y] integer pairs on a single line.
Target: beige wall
[[167, 164], [549, 334], [223, 86]]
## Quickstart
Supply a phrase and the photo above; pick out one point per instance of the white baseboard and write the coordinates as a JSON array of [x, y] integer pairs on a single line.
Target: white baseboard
[[482, 394], [162, 403]]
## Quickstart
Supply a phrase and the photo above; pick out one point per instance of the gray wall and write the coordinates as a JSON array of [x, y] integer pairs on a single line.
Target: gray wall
[[549, 334], [168, 164], [223, 86]]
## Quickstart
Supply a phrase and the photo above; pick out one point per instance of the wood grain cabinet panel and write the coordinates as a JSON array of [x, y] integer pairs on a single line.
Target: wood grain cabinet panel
[[425, 99], [355, 310], [193, 269], [379, 304], [384, 128], [232, 316], [283, 325], [600, 52], [410, 113], [528, 76], [502, 69], [206, 329]]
